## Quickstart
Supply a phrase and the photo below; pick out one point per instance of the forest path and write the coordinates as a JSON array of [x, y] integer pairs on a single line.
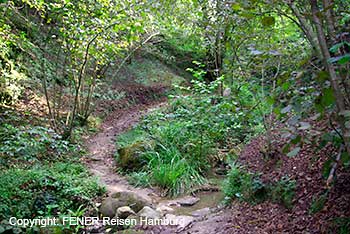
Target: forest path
[[101, 147], [101, 163]]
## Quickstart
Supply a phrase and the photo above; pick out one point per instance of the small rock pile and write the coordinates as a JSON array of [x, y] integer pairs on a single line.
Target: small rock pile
[[129, 205]]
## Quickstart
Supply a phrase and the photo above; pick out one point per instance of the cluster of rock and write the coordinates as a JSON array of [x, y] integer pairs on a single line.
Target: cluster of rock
[[129, 205]]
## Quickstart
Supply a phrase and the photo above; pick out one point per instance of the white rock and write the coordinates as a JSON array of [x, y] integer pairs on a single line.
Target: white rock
[[182, 221], [148, 212], [164, 209], [227, 92]]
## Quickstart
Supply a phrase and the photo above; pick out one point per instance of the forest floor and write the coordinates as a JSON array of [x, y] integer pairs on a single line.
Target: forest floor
[[240, 217]]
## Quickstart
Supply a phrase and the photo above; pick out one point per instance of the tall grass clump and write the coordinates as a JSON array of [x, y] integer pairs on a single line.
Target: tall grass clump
[[177, 146], [181, 142]]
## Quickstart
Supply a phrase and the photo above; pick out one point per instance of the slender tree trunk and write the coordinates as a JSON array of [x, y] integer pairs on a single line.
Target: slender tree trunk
[[340, 102], [307, 29], [91, 89], [328, 6], [44, 84]]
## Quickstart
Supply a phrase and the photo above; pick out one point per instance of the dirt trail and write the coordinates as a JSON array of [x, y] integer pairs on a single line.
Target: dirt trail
[[102, 164], [102, 148]]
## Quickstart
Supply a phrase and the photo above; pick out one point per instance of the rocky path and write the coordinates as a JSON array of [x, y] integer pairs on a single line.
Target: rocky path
[[102, 148], [187, 210]]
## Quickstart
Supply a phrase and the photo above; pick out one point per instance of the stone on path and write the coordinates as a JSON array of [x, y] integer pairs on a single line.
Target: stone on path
[[188, 201], [201, 212], [131, 199], [164, 209], [124, 211], [183, 221], [149, 213], [108, 207], [110, 204]]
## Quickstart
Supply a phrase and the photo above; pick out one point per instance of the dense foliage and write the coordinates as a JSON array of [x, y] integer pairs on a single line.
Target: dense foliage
[[180, 143], [40, 176], [245, 67]]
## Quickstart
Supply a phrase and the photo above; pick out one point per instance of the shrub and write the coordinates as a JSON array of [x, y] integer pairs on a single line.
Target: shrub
[[248, 187], [139, 179], [11, 76], [243, 185], [28, 144], [46, 190], [172, 172], [185, 137], [283, 191]]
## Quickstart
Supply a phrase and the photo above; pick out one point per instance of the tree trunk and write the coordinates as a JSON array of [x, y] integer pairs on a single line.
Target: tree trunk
[[306, 28], [340, 102], [44, 84], [327, 5]]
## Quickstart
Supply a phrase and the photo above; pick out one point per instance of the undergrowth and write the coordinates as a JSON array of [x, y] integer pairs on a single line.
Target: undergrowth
[[152, 72], [45, 190], [30, 144], [175, 147], [246, 186], [41, 175]]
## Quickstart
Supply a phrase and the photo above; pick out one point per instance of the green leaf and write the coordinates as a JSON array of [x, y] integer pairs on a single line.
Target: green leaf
[[285, 86], [340, 59], [327, 168], [286, 149], [270, 100], [268, 21], [344, 59], [336, 47], [235, 6], [327, 97], [345, 159], [345, 113], [296, 140], [322, 76], [294, 152], [347, 124]]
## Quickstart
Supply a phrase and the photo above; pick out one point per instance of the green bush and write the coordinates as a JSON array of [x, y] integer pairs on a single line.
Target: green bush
[[243, 185], [151, 72], [11, 76], [283, 191], [186, 135], [136, 134], [248, 187], [46, 190], [172, 171], [139, 179], [28, 144]]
